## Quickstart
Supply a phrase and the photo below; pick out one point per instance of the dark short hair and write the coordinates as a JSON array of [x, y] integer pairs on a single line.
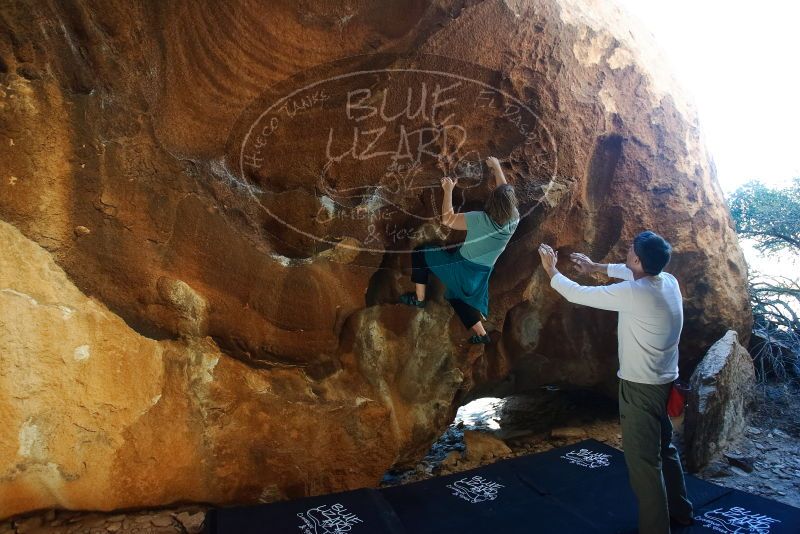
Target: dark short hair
[[653, 251]]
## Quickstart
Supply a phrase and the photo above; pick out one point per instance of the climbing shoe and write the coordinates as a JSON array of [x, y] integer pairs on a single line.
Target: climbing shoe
[[476, 339], [411, 300]]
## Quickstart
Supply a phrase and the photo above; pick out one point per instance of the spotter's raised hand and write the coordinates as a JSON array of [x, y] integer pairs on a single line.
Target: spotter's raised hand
[[582, 263], [549, 258]]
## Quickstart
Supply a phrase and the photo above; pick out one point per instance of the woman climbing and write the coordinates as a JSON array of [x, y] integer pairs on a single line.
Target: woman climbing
[[465, 272]]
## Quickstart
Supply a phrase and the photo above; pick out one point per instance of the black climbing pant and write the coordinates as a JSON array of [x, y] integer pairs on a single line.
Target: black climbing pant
[[419, 275]]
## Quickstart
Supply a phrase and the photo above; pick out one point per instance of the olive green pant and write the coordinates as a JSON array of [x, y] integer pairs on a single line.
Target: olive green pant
[[654, 467]]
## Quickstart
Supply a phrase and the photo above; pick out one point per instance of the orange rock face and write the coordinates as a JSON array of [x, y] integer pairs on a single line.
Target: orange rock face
[[228, 192]]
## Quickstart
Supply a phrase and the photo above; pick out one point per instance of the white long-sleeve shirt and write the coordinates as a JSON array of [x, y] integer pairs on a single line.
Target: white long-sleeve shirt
[[650, 320]]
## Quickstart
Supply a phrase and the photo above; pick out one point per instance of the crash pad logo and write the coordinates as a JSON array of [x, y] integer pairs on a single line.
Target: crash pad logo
[[334, 519], [351, 154], [587, 458], [476, 489], [737, 520]]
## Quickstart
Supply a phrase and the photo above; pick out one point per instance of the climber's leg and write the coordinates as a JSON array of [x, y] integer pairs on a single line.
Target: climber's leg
[[479, 329], [471, 319], [419, 272], [419, 289], [419, 275], [469, 316]]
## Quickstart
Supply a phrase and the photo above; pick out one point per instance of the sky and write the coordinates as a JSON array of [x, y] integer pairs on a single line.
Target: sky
[[740, 64]]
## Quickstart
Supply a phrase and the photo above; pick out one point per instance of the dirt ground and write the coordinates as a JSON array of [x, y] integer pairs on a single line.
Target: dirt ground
[[770, 444]]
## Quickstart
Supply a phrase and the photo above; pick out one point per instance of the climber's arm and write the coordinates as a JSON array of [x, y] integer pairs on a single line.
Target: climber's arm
[[494, 165], [456, 221]]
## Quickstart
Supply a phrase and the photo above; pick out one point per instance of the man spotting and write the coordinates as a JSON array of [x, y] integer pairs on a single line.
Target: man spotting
[[650, 322]]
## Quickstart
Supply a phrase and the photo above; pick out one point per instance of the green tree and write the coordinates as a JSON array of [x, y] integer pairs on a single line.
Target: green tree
[[771, 217]]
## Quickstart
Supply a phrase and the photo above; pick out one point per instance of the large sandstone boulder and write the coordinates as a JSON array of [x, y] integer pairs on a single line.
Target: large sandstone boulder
[[96, 416], [717, 407], [221, 193]]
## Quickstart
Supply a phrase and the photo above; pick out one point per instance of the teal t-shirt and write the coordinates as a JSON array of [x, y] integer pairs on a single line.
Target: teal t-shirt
[[485, 240]]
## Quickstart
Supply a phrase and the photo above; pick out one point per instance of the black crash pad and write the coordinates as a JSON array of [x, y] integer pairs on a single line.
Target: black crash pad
[[581, 488], [480, 500], [742, 513], [358, 511]]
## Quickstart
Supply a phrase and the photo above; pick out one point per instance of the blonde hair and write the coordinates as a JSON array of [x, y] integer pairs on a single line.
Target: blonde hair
[[501, 206]]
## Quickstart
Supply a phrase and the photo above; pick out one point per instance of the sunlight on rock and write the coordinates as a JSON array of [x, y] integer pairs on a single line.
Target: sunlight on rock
[[481, 414]]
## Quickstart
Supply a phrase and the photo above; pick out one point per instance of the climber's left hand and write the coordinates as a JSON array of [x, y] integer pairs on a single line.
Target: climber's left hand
[[448, 184]]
